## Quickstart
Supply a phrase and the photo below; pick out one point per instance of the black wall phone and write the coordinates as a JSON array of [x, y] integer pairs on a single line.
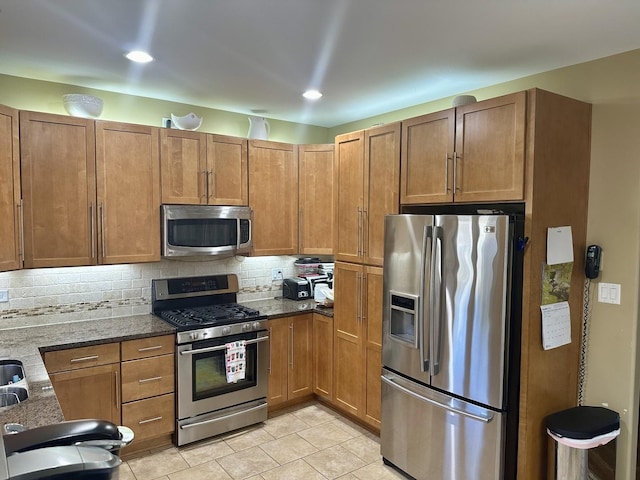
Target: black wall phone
[[592, 264]]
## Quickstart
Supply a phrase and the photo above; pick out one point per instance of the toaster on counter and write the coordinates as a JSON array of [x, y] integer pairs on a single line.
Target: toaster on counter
[[296, 289]]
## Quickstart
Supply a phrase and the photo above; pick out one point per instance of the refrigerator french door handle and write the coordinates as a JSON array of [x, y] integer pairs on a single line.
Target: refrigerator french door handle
[[436, 301], [423, 322], [480, 418]]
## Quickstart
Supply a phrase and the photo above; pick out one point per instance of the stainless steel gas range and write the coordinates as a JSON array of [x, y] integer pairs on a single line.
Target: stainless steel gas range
[[208, 318]]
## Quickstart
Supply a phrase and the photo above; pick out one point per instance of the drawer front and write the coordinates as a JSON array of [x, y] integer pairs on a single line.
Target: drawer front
[[147, 377], [150, 418], [148, 347], [82, 357]]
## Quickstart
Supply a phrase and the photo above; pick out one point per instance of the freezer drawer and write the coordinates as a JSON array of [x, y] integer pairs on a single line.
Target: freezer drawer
[[436, 437]]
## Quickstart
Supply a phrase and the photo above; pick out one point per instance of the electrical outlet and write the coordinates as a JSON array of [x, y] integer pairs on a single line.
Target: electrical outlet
[[4, 296], [276, 274]]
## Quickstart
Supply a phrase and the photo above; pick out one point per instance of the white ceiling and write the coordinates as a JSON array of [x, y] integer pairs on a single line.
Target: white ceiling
[[367, 56]]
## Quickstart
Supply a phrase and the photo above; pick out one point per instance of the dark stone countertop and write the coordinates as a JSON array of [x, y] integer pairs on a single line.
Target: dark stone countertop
[[26, 344]]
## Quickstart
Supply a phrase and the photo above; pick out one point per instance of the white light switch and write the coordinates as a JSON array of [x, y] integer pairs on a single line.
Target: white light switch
[[4, 296], [609, 293]]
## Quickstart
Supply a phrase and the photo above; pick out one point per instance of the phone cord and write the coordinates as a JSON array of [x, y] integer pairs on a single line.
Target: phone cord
[[584, 343]]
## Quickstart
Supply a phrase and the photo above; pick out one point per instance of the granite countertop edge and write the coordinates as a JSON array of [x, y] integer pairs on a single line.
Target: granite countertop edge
[[28, 343]]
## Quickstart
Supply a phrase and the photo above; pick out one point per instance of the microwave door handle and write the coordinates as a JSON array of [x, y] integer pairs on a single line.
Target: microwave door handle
[[422, 327], [436, 300]]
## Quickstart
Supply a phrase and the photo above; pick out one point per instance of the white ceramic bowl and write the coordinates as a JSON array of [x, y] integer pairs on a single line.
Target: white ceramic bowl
[[79, 105], [461, 100], [189, 122]]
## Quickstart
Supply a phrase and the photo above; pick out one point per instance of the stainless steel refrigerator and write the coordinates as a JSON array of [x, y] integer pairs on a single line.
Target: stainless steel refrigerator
[[445, 354]]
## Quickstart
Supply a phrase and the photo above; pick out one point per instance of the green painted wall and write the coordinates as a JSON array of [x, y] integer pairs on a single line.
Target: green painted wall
[[27, 94]]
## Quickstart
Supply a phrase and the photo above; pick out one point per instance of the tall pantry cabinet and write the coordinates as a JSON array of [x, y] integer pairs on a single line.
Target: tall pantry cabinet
[[366, 179], [10, 239]]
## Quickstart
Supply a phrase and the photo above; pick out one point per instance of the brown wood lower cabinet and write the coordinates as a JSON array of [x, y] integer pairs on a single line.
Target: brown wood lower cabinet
[[358, 341], [290, 358], [87, 381], [138, 392], [323, 356], [89, 392]]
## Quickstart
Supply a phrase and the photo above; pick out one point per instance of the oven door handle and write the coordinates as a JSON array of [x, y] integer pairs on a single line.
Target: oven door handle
[[221, 347]]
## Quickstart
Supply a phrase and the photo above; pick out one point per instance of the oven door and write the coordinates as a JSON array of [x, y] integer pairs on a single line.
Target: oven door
[[202, 381]]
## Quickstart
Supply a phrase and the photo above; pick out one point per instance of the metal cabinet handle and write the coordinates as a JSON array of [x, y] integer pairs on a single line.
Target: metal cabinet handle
[[146, 349], [149, 420], [92, 219], [84, 359], [365, 230], [300, 229], [363, 296], [291, 347], [447, 188], [455, 172], [102, 228], [117, 390], [358, 231], [270, 333], [21, 217], [147, 380]]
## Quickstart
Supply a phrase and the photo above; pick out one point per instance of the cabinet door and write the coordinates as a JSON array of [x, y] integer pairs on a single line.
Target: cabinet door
[[89, 392], [183, 162], [128, 192], [278, 360], [227, 175], [316, 199], [373, 344], [58, 189], [10, 250], [323, 356], [490, 150], [349, 381], [300, 379], [426, 158], [273, 197], [349, 196], [381, 187]]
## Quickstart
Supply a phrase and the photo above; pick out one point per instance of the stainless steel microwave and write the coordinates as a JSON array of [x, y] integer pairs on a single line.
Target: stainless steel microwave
[[205, 230]]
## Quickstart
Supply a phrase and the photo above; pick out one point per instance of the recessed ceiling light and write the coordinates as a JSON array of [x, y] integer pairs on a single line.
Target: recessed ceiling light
[[139, 56], [312, 94]]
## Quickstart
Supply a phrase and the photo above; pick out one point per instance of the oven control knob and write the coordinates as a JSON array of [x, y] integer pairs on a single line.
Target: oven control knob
[[256, 325], [194, 336], [246, 327], [226, 330]]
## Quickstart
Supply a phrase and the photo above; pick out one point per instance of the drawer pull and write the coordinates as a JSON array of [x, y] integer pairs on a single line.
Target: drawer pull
[[84, 359], [149, 420], [152, 379], [147, 349]]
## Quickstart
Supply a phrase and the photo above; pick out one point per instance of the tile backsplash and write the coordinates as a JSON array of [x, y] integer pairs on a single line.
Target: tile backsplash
[[56, 295]]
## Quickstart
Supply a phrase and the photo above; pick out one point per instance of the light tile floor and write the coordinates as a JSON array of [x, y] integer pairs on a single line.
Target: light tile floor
[[310, 442]]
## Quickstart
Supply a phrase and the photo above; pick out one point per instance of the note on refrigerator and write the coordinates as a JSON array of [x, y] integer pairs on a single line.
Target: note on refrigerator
[[556, 325]]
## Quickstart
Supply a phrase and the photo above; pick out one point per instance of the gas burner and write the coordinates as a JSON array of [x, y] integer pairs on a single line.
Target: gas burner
[[208, 315]]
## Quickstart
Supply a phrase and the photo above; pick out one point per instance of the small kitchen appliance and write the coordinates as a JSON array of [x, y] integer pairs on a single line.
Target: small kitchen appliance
[[296, 288], [208, 319]]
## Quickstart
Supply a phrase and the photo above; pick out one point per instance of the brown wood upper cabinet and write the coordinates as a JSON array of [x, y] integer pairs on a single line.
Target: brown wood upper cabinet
[[273, 197], [366, 179], [10, 239], [90, 191], [315, 186], [470, 153], [199, 168]]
